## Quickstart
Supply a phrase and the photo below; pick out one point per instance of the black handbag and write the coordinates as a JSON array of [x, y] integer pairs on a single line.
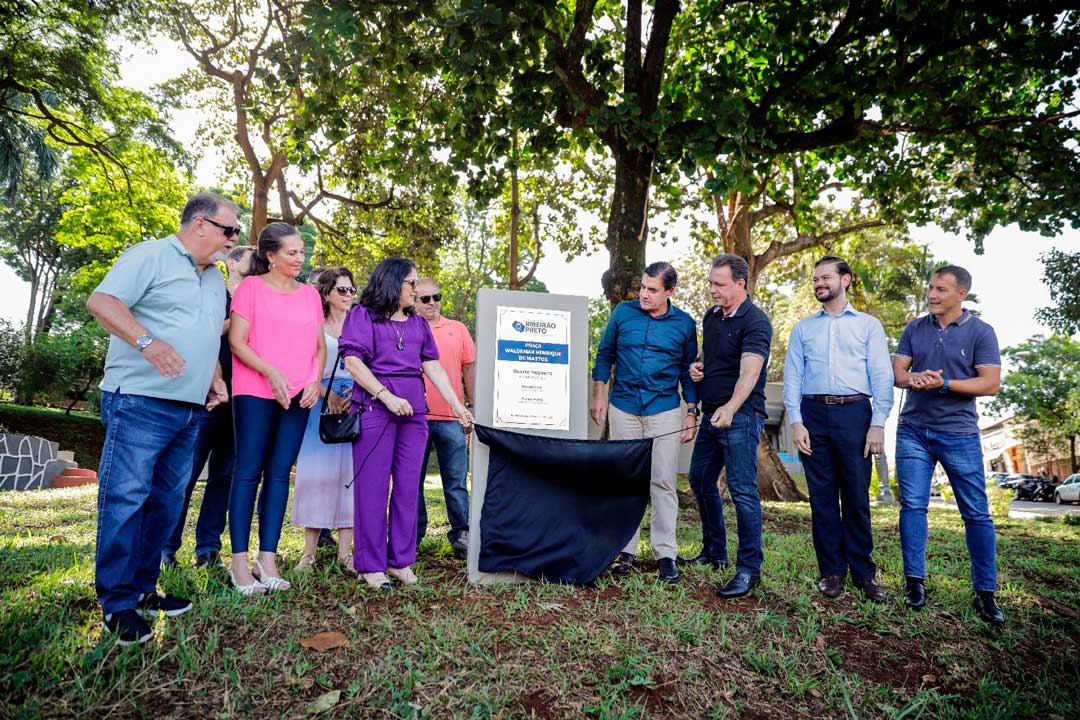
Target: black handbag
[[337, 427]]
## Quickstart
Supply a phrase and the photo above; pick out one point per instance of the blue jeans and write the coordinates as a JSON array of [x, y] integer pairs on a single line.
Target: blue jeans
[[918, 450], [145, 465], [452, 450], [268, 440], [736, 449], [214, 442]]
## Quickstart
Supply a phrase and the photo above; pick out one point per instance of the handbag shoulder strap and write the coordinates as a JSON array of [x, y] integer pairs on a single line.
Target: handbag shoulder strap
[[333, 370]]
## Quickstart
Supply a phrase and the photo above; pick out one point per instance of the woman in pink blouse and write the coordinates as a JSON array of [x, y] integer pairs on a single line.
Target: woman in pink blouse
[[278, 355]]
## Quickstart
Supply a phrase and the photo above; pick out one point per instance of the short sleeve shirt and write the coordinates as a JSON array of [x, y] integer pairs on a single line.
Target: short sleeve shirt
[[456, 350], [376, 342], [724, 340], [284, 330], [958, 350], [177, 303]]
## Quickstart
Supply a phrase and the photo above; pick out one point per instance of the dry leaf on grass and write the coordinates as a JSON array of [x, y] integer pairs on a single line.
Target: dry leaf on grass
[[324, 702], [324, 641]]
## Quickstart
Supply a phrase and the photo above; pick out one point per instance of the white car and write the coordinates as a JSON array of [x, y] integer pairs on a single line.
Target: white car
[[1068, 491]]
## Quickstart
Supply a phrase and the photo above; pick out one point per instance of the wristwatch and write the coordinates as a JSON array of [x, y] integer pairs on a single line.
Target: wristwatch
[[143, 341], [695, 411], [944, 386]]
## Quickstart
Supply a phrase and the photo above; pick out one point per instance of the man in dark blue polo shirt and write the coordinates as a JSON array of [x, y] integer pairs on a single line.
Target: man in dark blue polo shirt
[[945, 360], [651, 344], [736, 335]]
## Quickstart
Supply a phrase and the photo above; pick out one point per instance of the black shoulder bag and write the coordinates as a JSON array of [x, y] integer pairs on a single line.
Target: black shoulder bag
[[337, 427]]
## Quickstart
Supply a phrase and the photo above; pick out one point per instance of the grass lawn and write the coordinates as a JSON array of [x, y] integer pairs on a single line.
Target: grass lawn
[[629, 649]]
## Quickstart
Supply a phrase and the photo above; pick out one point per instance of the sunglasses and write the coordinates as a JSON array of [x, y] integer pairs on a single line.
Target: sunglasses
[[345, 290], [412, 282], [227, 230], [425, 299]]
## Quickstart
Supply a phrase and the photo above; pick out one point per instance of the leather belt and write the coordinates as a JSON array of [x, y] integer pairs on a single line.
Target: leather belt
[[837, 399]]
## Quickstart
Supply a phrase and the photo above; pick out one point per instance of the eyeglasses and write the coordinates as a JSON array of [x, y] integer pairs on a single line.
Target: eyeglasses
[[413, 282], [227, 230], [344, 290], [425, 299]]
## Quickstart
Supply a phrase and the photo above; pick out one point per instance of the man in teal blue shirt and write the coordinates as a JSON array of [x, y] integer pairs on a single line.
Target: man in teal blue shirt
[[651, 344], [162, 304]]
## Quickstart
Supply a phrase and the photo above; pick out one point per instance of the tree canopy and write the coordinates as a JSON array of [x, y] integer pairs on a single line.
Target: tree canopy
[[954, 112]]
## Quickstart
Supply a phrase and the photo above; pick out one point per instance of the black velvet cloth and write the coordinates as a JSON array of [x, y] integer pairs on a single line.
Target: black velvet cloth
[[560, 510]]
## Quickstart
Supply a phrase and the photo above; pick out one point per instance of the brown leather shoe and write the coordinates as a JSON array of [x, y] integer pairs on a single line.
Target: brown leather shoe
[[831, 585], [872, 591]]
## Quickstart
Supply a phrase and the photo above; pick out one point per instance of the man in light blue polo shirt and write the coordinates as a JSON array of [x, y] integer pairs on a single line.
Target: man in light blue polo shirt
[[651, 344], [945, 360], [838, 390], [162, 304]]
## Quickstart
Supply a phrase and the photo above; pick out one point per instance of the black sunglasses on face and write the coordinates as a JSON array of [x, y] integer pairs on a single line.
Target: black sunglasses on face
[[425, 299], [345, 290], [227, 230]]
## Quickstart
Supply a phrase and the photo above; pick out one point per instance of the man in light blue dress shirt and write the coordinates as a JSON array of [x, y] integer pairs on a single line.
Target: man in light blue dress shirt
[[838, 390]]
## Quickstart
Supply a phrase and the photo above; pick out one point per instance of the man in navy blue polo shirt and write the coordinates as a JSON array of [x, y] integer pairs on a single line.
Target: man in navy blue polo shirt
[[651, 344], [945, 360], [736, 335]]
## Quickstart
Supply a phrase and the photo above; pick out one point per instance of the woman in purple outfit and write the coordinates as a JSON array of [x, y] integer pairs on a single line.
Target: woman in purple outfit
[[388, 349]]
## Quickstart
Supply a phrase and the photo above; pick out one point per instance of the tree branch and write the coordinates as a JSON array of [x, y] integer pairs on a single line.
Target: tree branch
[[779, 249], [663, 17]]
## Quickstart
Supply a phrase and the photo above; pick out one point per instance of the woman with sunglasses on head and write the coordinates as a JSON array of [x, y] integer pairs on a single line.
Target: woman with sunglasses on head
[[323, 497], [388, 350], [278, 353]]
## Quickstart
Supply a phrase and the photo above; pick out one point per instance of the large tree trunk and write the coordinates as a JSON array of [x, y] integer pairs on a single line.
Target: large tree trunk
[[259, 205], [774, 481], [627, 229]]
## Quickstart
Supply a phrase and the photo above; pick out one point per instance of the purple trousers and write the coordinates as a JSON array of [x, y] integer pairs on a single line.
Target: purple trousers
[[389, 447]]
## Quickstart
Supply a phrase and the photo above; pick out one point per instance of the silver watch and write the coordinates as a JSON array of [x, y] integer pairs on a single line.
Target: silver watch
[[143, 341]]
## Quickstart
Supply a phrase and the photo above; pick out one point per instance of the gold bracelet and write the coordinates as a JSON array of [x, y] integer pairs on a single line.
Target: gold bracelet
[[381, 391]]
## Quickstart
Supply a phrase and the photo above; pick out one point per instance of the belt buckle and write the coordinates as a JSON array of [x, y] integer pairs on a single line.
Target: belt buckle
[[833, 400]]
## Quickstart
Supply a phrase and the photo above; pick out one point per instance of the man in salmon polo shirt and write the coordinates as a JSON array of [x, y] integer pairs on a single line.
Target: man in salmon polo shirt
[[457, 355]]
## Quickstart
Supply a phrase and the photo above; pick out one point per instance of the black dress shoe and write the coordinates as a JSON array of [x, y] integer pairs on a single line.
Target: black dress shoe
[[702, 560], [665, 568], [624, 564], [915, 593], [831, 585], [872, 591], [209, 560], [739, 585], [987, 609]]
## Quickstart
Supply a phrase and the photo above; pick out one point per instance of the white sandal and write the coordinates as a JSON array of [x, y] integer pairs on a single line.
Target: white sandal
[[307, 562], [346, 564], [404, 575], [255, 588], [376, 580], [272, 584]]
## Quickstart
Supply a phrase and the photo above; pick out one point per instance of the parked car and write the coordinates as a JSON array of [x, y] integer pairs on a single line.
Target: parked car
[[1068, 491], [1015, 479], [996, 477]]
